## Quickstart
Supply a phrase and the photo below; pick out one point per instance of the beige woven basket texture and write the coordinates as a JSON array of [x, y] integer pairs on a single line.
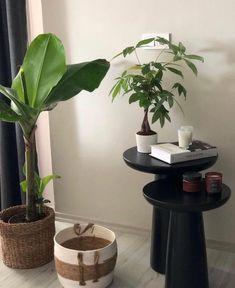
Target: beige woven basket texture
[[27, 245]]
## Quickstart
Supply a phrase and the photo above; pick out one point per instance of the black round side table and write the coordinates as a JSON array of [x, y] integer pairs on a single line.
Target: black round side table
[[186, 260], [172, 173]]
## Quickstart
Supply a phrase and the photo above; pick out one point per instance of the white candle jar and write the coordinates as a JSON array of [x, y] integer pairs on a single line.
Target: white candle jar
[[184, 138]]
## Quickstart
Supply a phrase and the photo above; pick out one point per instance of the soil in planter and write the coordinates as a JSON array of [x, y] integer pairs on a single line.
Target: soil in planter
[[143, 133], [20, 218], [85, 243]]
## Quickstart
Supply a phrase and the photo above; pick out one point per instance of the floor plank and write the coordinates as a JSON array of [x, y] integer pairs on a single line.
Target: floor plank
[[132, 270]]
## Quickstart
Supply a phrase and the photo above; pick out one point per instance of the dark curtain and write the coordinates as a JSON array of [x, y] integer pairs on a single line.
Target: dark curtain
[[13, 44]]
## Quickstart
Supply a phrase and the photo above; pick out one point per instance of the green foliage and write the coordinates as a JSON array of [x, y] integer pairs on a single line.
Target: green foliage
[[7, 114], [147, 86], [42, 82], [39, 187]]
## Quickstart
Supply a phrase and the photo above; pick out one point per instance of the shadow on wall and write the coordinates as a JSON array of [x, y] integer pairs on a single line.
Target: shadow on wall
[[224, 48], [222, 84], [212, 109], [217, 101]]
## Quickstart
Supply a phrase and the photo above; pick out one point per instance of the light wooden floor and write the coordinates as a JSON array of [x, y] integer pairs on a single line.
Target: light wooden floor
[[132, 270]]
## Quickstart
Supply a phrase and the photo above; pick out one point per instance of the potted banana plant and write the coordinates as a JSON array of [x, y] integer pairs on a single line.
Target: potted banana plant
[[43, 80], [145, 84]]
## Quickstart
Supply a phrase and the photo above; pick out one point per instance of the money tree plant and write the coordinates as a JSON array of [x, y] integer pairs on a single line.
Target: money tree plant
[[44, 80], [145, 82]]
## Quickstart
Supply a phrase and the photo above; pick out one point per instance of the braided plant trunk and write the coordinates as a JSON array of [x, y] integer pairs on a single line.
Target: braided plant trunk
[[145, 127]]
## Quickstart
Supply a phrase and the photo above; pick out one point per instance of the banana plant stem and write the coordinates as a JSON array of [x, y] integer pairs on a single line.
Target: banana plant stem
[[30, 150]]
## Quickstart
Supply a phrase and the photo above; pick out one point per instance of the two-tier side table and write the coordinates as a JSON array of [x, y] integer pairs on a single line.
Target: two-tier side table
[[170, 174], [186, 260]]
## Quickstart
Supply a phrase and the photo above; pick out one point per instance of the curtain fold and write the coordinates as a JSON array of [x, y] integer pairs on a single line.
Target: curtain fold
[[13, 44]]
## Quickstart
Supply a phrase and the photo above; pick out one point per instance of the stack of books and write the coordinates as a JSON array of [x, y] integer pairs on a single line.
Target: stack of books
[[172, 153]]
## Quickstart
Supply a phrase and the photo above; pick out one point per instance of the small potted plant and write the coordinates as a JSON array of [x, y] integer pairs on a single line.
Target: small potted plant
[[144, 83], [43, 81]]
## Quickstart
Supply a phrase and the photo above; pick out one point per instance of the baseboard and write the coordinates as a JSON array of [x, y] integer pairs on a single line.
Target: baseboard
[[220, 245], [62, 217]]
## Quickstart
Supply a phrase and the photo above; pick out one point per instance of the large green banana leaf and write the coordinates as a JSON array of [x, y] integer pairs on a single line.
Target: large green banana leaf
[[84, 76], [44, 79], [43, 67]]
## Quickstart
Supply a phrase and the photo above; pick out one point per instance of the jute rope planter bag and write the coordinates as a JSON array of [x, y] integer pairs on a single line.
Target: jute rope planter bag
[[85, 255], [27, 245]]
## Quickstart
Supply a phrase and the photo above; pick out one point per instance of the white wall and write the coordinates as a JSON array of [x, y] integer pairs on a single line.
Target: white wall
[[89, 133]]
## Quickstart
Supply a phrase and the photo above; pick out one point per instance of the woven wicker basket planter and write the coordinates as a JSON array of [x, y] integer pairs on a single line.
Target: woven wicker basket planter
[[27, 245], [92, 268]]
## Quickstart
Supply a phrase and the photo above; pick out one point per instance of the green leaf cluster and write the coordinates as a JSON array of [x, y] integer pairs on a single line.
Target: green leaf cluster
[[39, 187], [147, 86]]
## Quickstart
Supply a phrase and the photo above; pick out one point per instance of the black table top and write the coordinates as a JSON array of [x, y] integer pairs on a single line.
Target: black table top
[[164, 194], [145, 163]]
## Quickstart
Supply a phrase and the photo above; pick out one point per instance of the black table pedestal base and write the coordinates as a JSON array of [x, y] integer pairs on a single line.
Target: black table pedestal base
[[159, 237], [186, 252]]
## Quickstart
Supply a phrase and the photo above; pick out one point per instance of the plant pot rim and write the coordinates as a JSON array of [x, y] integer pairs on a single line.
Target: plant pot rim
[[27, 227], [87, 251], [151, 134]]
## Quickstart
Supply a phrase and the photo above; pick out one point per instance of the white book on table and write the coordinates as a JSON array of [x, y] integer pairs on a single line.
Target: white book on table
[[172, 153]]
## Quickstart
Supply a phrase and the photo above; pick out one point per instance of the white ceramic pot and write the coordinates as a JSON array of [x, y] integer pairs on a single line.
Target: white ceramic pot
[[144, 142], [90, 268]]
